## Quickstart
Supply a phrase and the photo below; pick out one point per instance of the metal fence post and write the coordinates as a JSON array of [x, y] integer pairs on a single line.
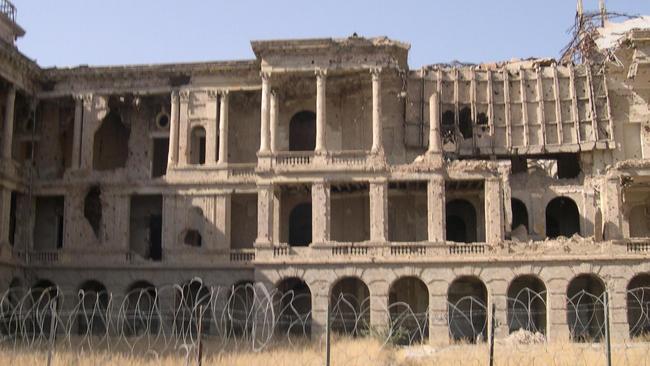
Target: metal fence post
[[608, 344], [53, 324], [328, 326], [492, 328]]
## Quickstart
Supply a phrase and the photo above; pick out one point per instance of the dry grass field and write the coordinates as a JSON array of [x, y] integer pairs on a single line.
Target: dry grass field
[[351, 352]]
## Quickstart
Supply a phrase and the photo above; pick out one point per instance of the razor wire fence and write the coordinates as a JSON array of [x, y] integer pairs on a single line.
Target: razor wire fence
[[193, 322]]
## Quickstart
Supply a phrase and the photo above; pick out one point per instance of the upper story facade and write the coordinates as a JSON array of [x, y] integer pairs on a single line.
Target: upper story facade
[[323, 150]]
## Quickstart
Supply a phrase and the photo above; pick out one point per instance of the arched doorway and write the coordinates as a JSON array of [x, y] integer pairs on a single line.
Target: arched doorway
[[519, 214], [408, 303], [300, 225], [294, 300], [467, 309], [302, 131], [350, 307], [527, 304], [585, 308], [638, 306], [140, 309], [44, 295], [562, 218], [461, 225], [94, 302]]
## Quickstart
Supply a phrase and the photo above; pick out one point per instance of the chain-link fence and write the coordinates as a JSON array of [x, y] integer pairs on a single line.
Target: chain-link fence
[[252, 324]]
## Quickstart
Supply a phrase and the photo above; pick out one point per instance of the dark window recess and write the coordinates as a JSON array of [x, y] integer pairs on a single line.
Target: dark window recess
[[93, 208], [302, 131], [448, 122], [519, 214], [160, 154], [59, 232], [111, 143], [163, 121], [300, 225], [465, 122], [562, 218], [519, 164], [155, 237], [568, 166], [192, 238], [202, 150], [482, 119]]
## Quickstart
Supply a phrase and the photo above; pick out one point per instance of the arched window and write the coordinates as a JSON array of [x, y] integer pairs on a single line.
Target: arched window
[[93, 300], [638, 303], [585, 308], [527, 304], [294, 297], [192, 298], [302, 131], [197, 146], [519, 214], [239, 310], [408, 304], [350, 307], [140, 309], [461, 222], [300, 225], [562, 218], [467, 309], [111, 143]]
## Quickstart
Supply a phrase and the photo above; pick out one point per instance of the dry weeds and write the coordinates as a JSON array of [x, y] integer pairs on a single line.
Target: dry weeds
[[352, 352]]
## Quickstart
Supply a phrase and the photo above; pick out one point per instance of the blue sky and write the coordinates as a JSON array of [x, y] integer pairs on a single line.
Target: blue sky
[[72, 32]]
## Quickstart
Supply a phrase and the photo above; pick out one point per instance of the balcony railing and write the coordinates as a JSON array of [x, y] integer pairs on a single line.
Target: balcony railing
[[294, 158], [8, 9]]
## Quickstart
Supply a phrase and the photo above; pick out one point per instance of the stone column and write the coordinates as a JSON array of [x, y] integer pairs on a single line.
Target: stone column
[[8, 132], [173, 130], [321, 111], [211, 128], [436, 209], [377, 144], [493, 211], [265, 200], [183, 127], [89, 125], [223, 127], [379, 211], [76, 137], [612, 207], [274, 115], [320, 206], [435, 145], [379, 316], [264, 125], [222, 217]]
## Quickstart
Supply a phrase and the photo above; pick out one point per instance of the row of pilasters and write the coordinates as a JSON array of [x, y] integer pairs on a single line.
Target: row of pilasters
[[270, 109], [378, 194]]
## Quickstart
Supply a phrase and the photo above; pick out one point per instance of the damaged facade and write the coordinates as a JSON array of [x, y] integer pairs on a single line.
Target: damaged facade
[[326, 165]]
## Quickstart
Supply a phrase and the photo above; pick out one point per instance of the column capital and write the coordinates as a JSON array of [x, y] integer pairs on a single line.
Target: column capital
[[265, 75], [320, 73], [213, 93], [174, 95], [224, 92], [184, 95], [375, 72]]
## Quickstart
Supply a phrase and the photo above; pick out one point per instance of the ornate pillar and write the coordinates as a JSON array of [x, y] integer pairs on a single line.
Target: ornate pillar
[[378, 210], [265, 215], [320, 199], [435, 145], [377, 144], [436, 209], [321, 111], [264, 128], [76, 136], [211, 128], [173, 130], [223, 127], [274, 114], [8, 132]]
